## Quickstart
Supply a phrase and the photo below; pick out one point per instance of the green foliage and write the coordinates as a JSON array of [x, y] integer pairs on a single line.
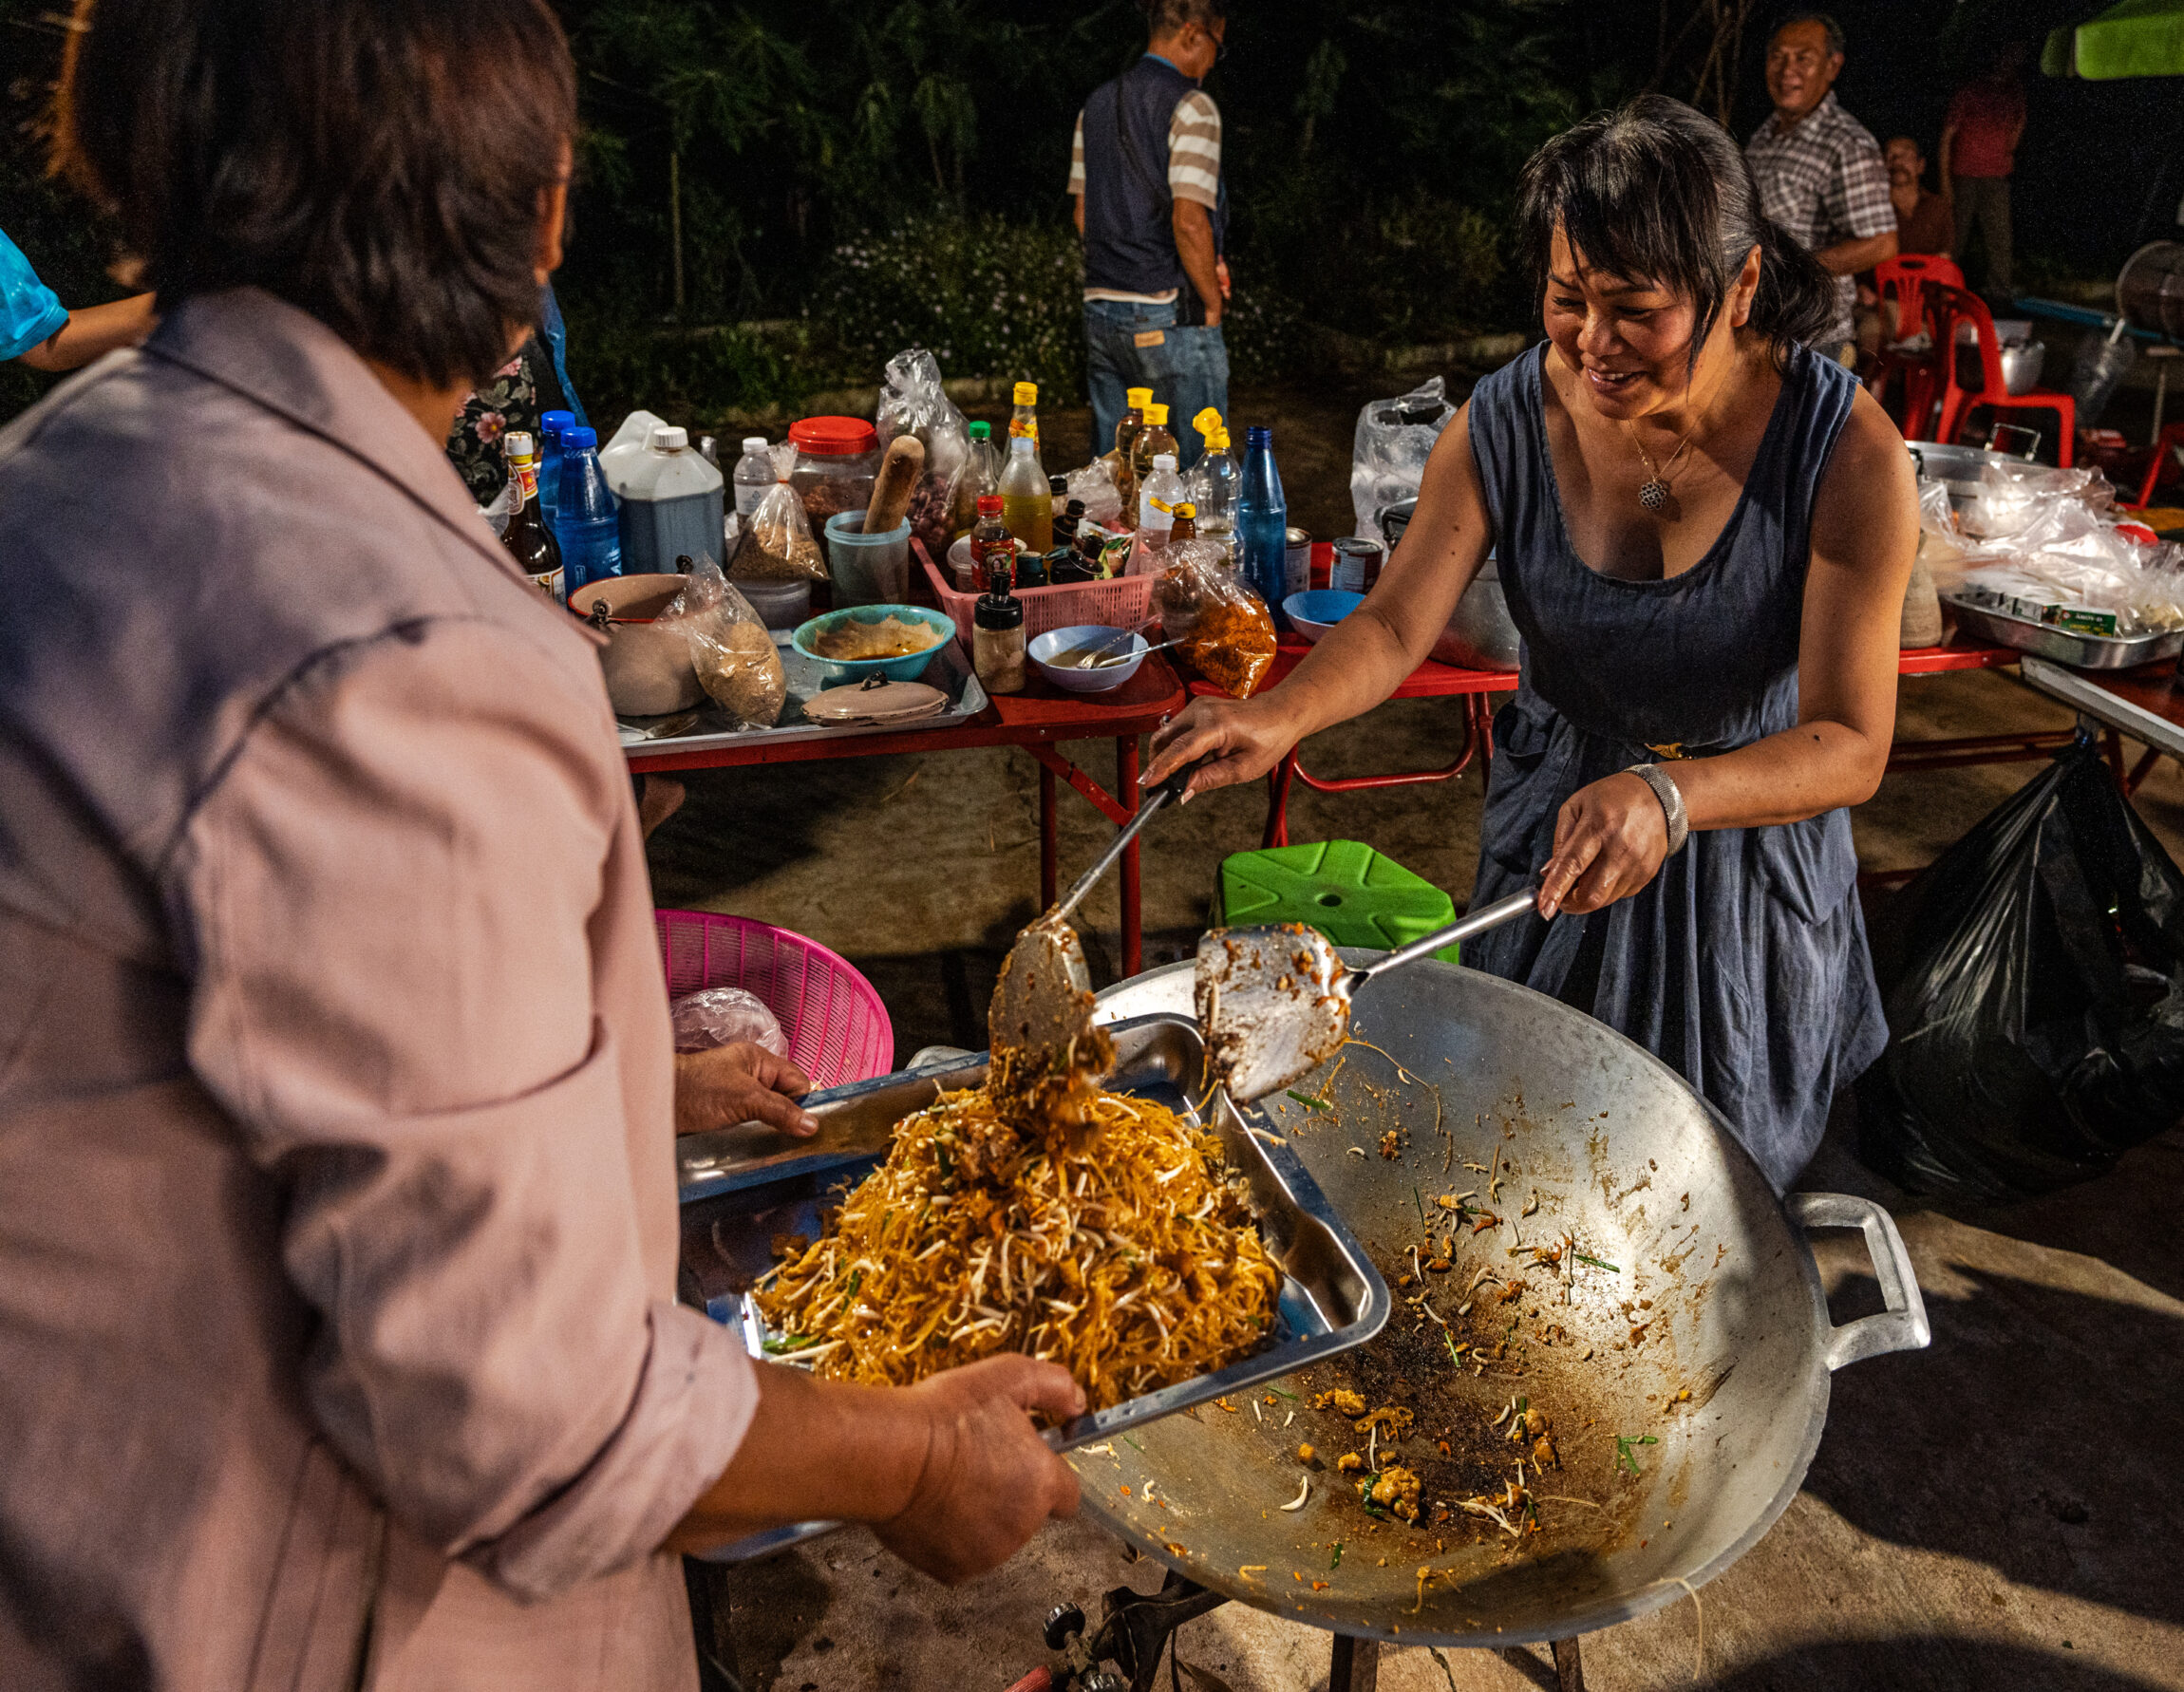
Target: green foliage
[[986, 297]]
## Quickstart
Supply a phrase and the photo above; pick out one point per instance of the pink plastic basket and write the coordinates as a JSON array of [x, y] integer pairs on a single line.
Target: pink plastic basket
[[837, 1028], [1126, 604]]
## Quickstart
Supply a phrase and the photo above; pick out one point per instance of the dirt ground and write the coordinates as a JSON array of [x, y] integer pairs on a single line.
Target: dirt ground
[[1995, 1512]]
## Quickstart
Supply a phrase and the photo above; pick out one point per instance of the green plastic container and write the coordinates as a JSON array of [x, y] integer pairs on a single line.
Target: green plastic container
[[1351, 893]]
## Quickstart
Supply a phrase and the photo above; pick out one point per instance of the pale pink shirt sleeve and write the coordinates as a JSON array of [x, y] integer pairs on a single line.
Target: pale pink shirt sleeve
[[389, 891]]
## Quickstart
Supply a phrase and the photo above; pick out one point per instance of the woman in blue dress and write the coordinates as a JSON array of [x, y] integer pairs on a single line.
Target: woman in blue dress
[[1705, 529]]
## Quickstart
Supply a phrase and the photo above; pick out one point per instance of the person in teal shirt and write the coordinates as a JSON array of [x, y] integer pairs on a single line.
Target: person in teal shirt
[[36, 328]]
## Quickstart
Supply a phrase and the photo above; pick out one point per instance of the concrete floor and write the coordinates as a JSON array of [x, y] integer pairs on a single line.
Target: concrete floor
[[2001, 1510]]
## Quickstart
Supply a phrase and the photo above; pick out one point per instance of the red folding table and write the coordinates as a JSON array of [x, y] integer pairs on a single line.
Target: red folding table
[[1036, 719]]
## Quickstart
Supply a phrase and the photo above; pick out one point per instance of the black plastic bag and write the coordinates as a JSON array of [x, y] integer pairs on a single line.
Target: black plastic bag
[[2034, 980]]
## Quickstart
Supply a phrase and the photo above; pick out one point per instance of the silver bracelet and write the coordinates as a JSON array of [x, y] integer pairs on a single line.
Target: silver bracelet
[[1672, 797]]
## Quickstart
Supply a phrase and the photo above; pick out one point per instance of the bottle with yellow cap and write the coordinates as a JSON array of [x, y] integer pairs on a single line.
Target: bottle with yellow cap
[[1150, 442], [1024, 421], [1213, 484], [1126, 437]]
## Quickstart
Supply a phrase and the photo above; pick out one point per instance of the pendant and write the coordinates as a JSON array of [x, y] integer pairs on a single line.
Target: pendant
[[1653, 494]]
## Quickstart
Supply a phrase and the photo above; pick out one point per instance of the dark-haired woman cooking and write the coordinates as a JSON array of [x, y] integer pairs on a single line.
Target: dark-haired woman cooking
[[1704, 530]]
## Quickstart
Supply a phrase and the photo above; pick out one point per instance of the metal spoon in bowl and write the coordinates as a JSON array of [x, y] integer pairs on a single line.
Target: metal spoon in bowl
[[1273, 1002]]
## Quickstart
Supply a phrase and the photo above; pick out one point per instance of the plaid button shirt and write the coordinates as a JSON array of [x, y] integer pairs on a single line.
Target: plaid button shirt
[[1825, 183]]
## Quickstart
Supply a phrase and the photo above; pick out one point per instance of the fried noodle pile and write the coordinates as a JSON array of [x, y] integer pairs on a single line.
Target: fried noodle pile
[[1129, 1258]]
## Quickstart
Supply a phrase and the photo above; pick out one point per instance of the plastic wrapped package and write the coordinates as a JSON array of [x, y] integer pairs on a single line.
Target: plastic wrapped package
[[2012, 497], [1223, 627], [913, 402], [777, 543], [2034, 982], [1394, 439], [2069, 568], [737, 661], [717, 1016], [1094, 483]]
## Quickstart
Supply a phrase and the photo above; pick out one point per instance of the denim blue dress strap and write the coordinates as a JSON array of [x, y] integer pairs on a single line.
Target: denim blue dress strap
[[1743, 966]]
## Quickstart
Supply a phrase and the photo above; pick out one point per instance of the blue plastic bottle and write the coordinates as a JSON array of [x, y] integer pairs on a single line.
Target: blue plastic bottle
[[1263, 522], [584, 520], [551, 423]]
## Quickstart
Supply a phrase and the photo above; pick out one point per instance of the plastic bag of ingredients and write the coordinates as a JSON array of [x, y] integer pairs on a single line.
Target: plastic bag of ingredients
[[1394, 438], [1223, 627], [2034, 982], [1094, 483], [718, 1016], [2012, 497], [737, 661], [2071, 568], [913, 402], [777, 543]]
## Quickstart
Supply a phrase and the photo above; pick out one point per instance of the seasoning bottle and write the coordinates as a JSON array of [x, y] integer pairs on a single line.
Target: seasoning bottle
[[992, 545], [1066, 519], [997, 636], [1024, 421], [1125, 437], [1153, 441]]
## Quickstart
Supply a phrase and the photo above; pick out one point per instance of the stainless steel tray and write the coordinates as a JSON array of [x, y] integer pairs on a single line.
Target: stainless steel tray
[[2082, 651], [950, 671], [743, 1186]]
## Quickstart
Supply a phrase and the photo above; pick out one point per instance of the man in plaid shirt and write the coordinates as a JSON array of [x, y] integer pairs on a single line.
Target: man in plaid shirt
[[1819, 169]]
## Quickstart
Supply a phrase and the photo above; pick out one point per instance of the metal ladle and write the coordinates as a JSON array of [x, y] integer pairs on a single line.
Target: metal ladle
[[1273, 1002]]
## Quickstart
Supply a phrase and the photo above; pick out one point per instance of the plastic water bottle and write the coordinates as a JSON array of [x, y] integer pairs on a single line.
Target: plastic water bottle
[[1212, 484], [754, 475], [1263, 523], [551, 423], [584, 522], [1159, 491]]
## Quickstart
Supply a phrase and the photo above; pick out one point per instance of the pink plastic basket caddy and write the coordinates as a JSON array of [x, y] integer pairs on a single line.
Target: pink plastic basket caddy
[[837, 1031]]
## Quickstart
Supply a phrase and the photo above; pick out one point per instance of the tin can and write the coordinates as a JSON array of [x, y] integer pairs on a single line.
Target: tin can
[[1297, 563], [1356, 565]]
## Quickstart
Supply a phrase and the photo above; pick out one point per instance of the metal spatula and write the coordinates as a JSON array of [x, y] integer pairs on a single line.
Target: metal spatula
[[1275, 1001], [1043, 1000]]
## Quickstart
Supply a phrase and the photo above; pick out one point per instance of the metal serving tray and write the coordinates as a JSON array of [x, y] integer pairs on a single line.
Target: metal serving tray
[[950, 671], [2082, 651], [741, 1187]]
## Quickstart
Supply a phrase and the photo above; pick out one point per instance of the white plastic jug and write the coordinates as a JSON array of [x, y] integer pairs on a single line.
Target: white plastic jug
[[670, 502]]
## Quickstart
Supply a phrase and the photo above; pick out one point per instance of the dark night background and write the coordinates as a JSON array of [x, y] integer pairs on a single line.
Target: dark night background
[[855, 177]]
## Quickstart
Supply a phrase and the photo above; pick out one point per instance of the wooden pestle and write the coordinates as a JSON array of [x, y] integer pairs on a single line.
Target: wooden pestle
[[891, 489]]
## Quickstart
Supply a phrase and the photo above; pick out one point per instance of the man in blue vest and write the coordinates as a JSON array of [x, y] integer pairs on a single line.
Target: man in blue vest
[[1146, 173]]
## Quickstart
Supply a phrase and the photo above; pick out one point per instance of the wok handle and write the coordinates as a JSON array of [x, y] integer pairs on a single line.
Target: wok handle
[[1900, 1327], [1477, 922]]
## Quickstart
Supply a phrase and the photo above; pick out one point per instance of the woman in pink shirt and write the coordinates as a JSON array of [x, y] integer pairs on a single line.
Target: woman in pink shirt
[[338, 1339]]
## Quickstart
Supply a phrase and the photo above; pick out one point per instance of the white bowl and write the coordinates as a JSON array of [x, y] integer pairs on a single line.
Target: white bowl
[[1071, 678]]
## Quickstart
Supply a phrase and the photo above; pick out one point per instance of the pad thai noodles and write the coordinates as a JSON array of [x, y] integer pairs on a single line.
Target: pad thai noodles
[[1129, 1259]]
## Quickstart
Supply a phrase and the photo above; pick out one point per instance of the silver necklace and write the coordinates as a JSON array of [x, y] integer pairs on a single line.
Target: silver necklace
[[1653, 491]]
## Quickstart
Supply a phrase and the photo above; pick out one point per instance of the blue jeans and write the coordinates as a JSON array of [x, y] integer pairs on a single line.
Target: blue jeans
[[1131, 345]]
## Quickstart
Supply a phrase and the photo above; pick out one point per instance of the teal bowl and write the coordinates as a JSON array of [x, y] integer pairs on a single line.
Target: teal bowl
[[841, 670]]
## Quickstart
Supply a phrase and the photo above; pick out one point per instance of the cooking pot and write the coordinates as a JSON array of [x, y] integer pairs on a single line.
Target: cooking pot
[[649, 669], [1685, 1396], [1480, 634], [2021, 365]]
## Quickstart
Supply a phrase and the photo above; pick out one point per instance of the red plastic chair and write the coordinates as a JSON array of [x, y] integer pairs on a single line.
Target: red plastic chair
[[1945, 308], [1902, 280], [2171, 440]]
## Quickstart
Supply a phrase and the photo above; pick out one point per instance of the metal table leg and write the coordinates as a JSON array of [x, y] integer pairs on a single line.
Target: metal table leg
[[1569, 1666], [1356, 1664]]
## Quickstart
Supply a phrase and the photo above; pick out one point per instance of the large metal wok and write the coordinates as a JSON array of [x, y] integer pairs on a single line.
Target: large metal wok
[[1628, 1159]]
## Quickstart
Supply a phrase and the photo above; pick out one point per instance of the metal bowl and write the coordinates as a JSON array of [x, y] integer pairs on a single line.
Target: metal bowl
[[1480, 635], [1595, 1137], [2021, 365]]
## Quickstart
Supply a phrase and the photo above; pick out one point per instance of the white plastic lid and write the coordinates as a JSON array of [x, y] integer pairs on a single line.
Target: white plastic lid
[[1163, 460], [755, 443], [1023, 444], [517, 444], [669, 439]]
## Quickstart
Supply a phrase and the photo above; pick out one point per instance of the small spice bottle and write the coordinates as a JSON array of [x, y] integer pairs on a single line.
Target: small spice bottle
[[997, 636]]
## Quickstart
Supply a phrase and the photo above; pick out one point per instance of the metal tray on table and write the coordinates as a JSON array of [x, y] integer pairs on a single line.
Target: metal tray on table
[[2082, 651], [711, 727], [741, 1187]]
